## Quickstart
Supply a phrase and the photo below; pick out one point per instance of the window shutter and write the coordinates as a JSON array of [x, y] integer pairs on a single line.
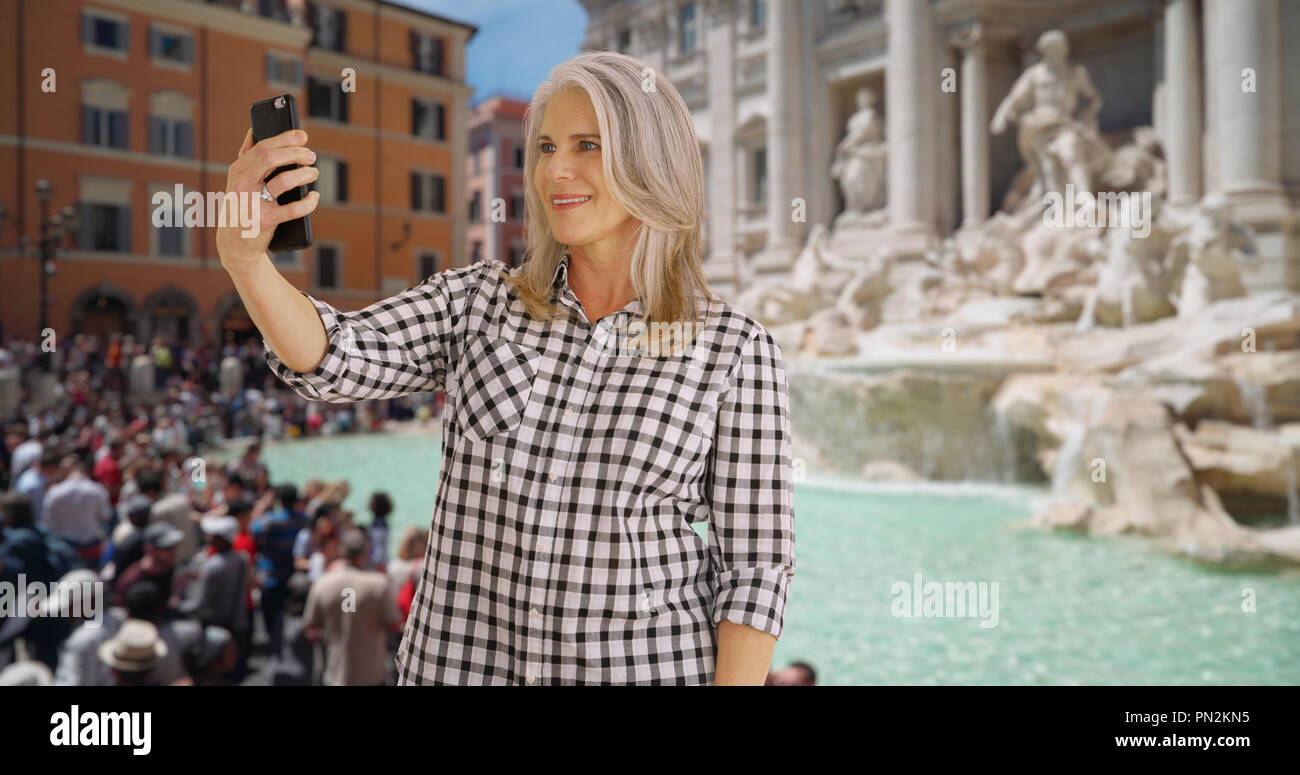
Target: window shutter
[[187, 49], [341, 176], [87, 125], [157, 141], [413, 39], [439, 128], [155, 42], [85, 229], [439, 194], [124, 35], [342, 16], [437, 56], [416, 204], [185, 139], [415, 117], [297, 72], [343, 104], [270, 63], [123, 230], [117, 129], [87, 28]]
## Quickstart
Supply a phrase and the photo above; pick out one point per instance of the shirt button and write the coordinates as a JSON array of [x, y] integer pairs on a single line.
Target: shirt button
[[569, 412], [532, 679], [535, 614], [541, 547], [552, 476]]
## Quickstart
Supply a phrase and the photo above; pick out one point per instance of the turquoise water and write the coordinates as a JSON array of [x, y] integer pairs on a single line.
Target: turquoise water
[[1071, 609]]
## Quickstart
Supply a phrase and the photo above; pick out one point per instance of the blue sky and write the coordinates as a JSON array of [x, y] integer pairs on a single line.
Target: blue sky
[[518, 41]]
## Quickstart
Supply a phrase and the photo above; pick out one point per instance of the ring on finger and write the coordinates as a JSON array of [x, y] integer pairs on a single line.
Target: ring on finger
[[267, 194]]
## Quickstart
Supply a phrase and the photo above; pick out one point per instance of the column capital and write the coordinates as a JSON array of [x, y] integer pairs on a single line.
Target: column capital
[[651, 29], [720, 11], [972, 36]]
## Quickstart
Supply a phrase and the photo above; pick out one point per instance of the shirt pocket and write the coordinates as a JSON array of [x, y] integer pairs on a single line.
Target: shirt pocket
[[495, 387]]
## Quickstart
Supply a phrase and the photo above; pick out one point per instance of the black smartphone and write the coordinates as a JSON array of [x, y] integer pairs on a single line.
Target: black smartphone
[[270, 117]]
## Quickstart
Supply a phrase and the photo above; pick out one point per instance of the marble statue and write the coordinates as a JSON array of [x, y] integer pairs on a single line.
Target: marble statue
[[861, 158], [1059, 142], [1209, 252]]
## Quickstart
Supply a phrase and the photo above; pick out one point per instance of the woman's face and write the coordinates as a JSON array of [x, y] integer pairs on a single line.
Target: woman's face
[[569, 168]]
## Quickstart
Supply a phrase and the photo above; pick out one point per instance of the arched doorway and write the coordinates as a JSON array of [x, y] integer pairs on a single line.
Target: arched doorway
[[172, 314], [234, 326], [103, 310]]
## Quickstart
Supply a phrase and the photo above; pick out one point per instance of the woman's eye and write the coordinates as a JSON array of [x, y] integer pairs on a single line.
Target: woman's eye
[[593, 147], [545, 147]]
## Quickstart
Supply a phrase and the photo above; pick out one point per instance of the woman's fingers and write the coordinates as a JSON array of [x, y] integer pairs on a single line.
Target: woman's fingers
[[265, 161], [248, 143], [293, 178], [294, 210]]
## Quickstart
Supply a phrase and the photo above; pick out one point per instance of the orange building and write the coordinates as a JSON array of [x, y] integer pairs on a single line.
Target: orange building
[[112, 101], [496, 180]]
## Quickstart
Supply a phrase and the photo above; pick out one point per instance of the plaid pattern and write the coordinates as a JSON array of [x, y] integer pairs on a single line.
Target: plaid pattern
[[561, 549]]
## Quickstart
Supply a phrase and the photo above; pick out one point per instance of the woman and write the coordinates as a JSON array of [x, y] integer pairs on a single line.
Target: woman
[[561, 548]]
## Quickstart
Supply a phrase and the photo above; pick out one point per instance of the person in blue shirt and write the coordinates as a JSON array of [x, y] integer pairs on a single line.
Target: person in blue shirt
[[275, 534]]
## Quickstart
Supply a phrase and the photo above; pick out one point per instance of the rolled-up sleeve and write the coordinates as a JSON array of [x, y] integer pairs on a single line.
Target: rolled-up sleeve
[[751, 488], [400, 345]]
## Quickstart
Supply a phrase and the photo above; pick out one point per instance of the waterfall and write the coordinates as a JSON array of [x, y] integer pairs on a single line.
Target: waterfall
[[1255, 401], [1069, 461], [1292, 497], [1005, 457]]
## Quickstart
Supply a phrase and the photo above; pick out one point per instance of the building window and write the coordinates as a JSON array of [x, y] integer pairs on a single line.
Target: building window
[[171, 47], [687, 29], [426, 265], [287, 258], [333, 181], [476, 252], [329, 28], [426, 53], [428, 120], [624, 43], [428, 192], [103, 127], [476, 207], [326, 99], [105, 227], [516, 207], [104, 34], [171, 241], [514, 255], [327, 266], [283, 71], [477, 156], [519, 157], [171, 137], [757, 13], [758, 193]]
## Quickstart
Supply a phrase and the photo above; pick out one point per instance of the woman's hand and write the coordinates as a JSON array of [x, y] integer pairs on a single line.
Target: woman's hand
[[246, 174]]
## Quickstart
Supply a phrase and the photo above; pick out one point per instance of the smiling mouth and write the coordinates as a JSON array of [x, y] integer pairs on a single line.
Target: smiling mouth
[[568, 202]]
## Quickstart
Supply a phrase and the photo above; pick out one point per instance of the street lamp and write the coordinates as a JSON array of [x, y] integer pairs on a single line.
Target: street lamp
[[54, 230]]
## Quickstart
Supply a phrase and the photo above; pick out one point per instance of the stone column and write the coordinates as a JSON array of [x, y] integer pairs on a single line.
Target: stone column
[[1181, 114], [975, 152], [909, 99], [652, 33], [782, 135], [719, 35], [1246, 34], [492, 229]]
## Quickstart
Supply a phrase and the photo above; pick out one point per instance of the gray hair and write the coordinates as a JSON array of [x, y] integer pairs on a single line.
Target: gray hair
[[653, 170]]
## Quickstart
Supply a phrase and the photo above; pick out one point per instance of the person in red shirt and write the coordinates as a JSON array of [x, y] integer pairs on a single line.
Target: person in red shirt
[[107, 471]]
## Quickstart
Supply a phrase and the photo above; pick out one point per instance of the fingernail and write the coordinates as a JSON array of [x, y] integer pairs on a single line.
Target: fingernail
[[311, 155]]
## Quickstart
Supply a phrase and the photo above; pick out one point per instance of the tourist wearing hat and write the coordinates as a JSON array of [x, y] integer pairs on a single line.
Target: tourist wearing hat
[[157, 565], [127, 546], [218, 597], [133, 653]]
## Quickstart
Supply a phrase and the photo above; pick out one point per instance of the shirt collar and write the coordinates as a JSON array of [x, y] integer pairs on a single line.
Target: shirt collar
[[560, 281], [561, 277]]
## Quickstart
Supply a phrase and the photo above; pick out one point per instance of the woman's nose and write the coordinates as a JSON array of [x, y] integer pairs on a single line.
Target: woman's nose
[[560, 167]]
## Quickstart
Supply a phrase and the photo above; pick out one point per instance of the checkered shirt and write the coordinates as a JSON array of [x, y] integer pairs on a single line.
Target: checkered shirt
[[561, 549]]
